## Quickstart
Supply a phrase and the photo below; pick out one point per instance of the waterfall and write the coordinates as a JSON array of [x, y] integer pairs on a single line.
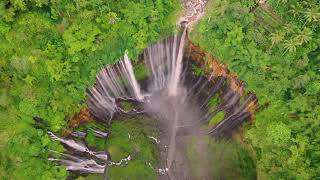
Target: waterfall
[[113, 82], [175, 76], [126, 63], [164, 60], [178, 100], [119, 82]]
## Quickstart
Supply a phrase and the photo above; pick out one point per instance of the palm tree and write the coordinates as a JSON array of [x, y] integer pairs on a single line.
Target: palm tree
[[312, 15], [289, 28], [290, 45], [304, 36], [295, 10], [277, 37]]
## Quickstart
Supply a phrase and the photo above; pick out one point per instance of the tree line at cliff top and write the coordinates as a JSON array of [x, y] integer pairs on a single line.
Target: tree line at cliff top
[[50, 52], [282, 67]]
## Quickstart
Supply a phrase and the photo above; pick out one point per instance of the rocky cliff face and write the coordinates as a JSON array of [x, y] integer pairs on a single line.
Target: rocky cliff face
[[193, 10]]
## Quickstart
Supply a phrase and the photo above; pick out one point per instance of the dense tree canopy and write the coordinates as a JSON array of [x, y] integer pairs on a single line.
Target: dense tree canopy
[[50, 51], [277, 54]]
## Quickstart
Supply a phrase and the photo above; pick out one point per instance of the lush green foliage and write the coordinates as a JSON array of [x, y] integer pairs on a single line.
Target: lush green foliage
[[50, 51], [211, 159], [216, 119], [282, 68], [141, 71], [131, 137], [94, 142], [127, 106], [127, 136], [213, 103]]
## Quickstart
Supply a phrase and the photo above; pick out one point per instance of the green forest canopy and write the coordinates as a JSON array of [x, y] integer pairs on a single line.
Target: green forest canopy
[[50, 51], [280, 63]]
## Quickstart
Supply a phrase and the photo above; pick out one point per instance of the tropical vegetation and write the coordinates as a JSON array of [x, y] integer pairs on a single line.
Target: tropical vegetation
[[51, 50], [275, 49]]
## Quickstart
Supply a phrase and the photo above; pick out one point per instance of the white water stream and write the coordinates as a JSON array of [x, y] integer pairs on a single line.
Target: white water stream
[[165, 96]]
